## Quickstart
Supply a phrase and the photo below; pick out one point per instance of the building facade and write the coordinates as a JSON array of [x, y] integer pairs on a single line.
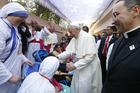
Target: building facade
[[104, 20]]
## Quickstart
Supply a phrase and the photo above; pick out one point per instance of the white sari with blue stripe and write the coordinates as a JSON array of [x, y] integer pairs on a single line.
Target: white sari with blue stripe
[[13, 64]]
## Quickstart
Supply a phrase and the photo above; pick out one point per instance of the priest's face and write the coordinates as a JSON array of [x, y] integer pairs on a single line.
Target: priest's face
[[122, 17]]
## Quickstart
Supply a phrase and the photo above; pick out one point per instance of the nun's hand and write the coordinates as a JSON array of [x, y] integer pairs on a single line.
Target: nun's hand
[[29, 62], [14, 79]]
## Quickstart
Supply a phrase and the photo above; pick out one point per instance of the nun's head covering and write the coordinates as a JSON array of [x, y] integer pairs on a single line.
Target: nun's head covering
[[32, 82], [13, 9], [49, 66]]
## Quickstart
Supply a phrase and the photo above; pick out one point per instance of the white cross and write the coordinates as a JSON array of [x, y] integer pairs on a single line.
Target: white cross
[[132, 47]]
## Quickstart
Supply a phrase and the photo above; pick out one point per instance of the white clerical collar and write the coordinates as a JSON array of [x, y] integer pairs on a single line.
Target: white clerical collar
[[126, 33]]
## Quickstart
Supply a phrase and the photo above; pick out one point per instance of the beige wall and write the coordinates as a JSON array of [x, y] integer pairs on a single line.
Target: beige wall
[[3, 2]]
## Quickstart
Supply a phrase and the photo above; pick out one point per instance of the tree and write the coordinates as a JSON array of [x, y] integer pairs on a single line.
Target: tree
[[45, 13], [40, 11]]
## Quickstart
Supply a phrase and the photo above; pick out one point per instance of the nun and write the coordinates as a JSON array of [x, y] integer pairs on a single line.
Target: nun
[[11, 57], [41, 82]]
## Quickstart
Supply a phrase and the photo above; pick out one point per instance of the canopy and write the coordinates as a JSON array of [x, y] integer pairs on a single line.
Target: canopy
[[77, 11]]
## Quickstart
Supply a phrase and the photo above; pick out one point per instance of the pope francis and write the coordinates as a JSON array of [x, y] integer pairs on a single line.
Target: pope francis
[[87, 71]]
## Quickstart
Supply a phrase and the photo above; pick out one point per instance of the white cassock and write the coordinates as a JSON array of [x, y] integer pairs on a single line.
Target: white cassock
[[35, 83], [33, 46], [13, 64], [87, 76]]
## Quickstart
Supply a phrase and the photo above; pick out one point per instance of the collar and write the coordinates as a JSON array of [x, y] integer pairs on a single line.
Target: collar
[[128, 33]]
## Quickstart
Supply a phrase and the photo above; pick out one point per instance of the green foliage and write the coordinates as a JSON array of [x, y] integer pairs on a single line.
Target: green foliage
[[41, 11], [45, 13], [22, 3]]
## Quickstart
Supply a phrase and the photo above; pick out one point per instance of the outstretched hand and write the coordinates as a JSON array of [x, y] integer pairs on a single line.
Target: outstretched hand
[[29, 62]]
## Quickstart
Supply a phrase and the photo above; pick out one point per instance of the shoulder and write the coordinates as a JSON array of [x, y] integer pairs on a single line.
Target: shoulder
[[114, 37], [85, 34], [4, 30]]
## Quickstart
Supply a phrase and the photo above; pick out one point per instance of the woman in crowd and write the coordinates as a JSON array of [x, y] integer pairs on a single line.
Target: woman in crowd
[[41, 82]]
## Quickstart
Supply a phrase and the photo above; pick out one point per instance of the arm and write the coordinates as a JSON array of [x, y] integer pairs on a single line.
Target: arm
[[84, 61], [64, 55], [81, 63], [26, 60], [45, 31], [5, 74]]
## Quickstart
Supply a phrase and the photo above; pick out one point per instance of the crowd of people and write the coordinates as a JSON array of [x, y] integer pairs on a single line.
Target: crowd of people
[[109, 64]]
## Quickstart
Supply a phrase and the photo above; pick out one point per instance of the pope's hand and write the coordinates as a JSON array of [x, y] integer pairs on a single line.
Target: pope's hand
[[14, 79]]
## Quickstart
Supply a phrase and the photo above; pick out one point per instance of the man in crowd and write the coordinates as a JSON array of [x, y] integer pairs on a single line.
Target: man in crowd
[[103, 48], [87, 71], [124, 66]]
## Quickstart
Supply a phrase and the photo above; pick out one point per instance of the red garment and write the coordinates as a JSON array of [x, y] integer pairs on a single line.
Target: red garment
[[54, 82], [48, 47], [62, 49], [105, 48], [40, 41]]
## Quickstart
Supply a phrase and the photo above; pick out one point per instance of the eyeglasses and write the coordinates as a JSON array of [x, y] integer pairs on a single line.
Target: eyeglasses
[[115, 14]]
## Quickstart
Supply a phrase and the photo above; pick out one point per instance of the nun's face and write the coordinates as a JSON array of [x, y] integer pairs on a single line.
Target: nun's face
[[16, 20]]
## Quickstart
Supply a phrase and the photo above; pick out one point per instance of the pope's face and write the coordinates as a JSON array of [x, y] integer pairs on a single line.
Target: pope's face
[[72, 32]]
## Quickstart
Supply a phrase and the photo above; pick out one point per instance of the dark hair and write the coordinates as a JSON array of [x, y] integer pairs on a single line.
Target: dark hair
[[56, 46], [130, 3], [113, 28], [85, 27], [105, 33], [24, 36]]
